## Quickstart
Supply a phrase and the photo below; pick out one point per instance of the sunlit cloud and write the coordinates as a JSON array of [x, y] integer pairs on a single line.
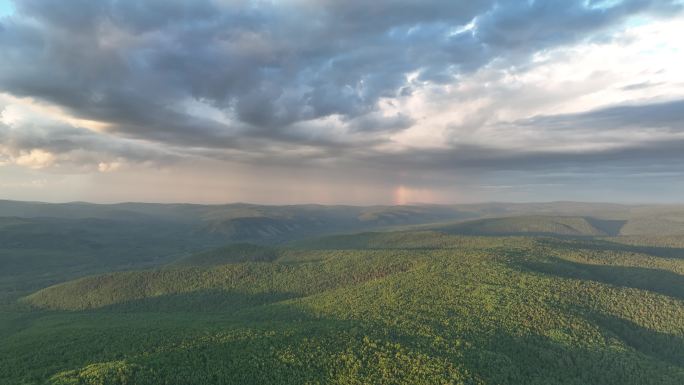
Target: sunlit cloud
[[35, 158], [426, 102], [20, 111]]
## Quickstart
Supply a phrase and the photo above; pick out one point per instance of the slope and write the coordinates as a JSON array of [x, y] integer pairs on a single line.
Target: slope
[[233, 253], [533, 225], [42, 243], [418, 308]]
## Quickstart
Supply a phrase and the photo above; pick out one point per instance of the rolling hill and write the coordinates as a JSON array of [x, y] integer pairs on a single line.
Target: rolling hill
[[43, 243], [409, 307], [244, 222], [157, 294], [233, 253], [537, 225]]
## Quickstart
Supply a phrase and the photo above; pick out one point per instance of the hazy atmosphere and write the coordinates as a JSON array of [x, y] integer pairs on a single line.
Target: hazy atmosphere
[[341, 192], [302, 101]]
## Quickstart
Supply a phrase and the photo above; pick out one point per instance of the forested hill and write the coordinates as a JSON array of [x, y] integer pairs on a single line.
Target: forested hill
[[260, 223], [142, 294], [537, 225], [408, 307], [42, 243]]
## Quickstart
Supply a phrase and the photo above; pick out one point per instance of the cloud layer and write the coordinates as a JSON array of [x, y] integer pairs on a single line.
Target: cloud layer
[[438, 96]]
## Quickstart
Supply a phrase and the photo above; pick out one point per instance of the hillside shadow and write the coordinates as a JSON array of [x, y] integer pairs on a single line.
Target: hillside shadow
[[282, 343], [659, 346], [74, 340], [537, 359], [276, 343], [537, 226], [603, 245], [611, 227], [654, 280]]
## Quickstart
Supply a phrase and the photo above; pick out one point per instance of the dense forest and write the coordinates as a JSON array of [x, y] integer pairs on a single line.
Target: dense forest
[[515, 300]]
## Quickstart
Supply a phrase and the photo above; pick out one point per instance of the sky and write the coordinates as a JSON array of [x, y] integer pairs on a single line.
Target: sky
[[354, 102]]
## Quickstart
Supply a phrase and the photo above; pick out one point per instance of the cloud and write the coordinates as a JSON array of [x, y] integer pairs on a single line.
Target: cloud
[[666, 115], [35, 158], [267, 65], [619, 139], [108, 166], [33, 138], [399, 88]]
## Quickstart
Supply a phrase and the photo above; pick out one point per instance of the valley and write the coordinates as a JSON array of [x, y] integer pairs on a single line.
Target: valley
[[536, 297]]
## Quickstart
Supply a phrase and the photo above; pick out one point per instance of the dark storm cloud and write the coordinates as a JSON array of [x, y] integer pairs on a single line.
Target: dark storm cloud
[[77, 146], [547, 23], [664, 152], [664, 115], [269, 67], [655, 159]]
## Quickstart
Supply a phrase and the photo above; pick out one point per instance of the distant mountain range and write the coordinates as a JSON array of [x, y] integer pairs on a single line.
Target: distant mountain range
[[45, 243]]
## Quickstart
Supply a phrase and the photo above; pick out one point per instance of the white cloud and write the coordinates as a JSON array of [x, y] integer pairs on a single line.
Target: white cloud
[[109, 166], [35, 158], [638, 64], [21, 111]]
